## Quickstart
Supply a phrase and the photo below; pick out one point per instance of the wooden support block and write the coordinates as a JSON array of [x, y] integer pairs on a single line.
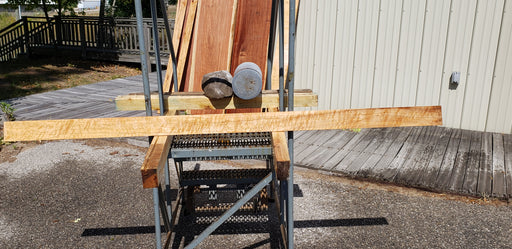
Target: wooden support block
[[154, 162], [280, 155], [197, 100], [220, 123]]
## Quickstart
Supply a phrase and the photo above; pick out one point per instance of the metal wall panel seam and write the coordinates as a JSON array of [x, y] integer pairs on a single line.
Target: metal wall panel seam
[[484, 47], [495, 63], [469, 62], [334, 57], [398, 52], [375, 53], [494, 121], [354, 57], [421, 52]]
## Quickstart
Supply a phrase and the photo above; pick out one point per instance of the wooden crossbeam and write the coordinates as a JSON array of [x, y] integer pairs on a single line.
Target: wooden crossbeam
[[197, 100], [221, 123]]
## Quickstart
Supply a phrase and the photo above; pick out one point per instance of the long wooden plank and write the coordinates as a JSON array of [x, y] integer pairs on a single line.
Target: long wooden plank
[[389, 172], [434, 165], [211, 39], [185, 43], [251, 34], [197, 100], [498, 161], [460, 164], [446, 168], [220, 123], [484, 186], [281, 155], [385, 153], [471, 179], [507, 145], [176, 38]]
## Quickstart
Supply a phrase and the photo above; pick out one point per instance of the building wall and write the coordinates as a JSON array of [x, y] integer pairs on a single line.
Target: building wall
[[390, 53]]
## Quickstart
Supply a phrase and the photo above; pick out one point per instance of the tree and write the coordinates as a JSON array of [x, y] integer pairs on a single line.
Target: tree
[[47, 5], [126, 8]]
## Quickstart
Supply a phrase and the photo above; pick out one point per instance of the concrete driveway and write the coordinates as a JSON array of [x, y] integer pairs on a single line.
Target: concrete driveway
[[88, 194]]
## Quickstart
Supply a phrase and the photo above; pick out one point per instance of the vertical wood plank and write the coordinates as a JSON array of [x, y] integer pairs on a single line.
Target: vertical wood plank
[[507, 146], [485, 173], [460, 164], [471, 180], [498, 170]]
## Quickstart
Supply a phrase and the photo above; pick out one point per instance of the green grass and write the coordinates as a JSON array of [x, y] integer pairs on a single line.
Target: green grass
[[25, 76], [6, 19]]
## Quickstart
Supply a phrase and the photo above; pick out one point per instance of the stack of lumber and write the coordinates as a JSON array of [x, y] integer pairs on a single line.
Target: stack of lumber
[[214, 35]]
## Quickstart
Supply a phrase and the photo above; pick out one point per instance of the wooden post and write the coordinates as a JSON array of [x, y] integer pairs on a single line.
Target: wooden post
[[83, 43], [26, 33], [58, 30]]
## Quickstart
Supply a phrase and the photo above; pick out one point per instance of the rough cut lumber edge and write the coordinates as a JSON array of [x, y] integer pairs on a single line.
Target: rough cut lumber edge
[[176, 37], [197, 100], [220, 123], [185, 41], [155, 159], [280, 155], [232, 33]]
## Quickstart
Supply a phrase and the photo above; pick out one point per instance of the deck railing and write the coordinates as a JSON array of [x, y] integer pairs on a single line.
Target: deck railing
[[115, 36]]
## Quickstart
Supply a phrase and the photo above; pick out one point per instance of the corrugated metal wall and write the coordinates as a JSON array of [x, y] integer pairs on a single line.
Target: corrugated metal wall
[[382, 53]]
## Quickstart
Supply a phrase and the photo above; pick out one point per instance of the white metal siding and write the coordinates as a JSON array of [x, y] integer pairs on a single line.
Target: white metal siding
[[371, 53]]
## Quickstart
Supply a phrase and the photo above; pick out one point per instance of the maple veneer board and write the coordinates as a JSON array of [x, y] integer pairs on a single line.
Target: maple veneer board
[[219, 123], [197, 100]]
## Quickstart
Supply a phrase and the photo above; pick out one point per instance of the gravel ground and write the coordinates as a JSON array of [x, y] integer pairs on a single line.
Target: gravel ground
[[76, 194]]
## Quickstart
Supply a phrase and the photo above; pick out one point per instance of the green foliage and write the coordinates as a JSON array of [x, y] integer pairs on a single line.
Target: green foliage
[[59, 5], [8, 110], [126, 8], [6, 19]]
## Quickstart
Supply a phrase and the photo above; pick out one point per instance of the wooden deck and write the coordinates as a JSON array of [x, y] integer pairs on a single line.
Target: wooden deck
[[433, 158]]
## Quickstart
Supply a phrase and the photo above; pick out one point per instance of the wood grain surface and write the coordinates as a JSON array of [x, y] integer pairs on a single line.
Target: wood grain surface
[[220, 123], [281, 155], [197, 100]]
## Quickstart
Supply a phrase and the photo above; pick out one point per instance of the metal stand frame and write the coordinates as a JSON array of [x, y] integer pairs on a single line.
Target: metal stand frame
[[283, 190]]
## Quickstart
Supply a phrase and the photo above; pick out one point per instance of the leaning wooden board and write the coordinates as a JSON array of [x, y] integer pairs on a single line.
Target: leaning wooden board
[[220, 123]]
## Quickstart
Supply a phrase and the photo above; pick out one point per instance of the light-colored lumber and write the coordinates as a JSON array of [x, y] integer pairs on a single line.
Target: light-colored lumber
[[275, 65], [280, 155], [154, 162], [176, 37], [185, 41], [197, 100], [221, 123]]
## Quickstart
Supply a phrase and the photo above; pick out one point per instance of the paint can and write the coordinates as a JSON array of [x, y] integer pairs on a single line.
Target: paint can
[[247, 81]]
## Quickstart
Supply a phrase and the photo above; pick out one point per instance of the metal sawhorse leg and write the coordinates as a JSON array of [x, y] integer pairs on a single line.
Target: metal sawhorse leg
[[285, 187]]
